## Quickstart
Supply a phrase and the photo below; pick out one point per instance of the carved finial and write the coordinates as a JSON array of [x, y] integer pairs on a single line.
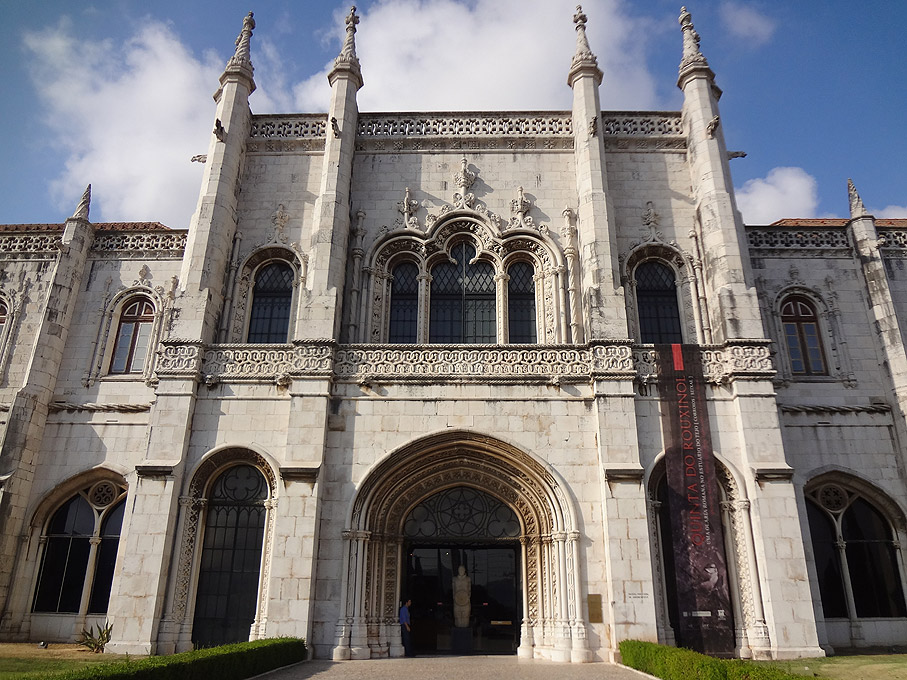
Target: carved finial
[[692, 56], [242, 56], [82, 209], [583, 59], [465, 177], [712, 126], [857, 209], [407, 207], [519, 207], [649, 216], [347, 59]]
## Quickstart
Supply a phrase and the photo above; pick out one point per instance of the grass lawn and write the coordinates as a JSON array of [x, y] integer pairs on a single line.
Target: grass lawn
[[27, 660], [851, 667]]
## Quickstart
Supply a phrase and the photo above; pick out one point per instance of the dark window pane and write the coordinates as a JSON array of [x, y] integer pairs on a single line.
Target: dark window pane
[[871, 560], [828, 561], [521, 303], [272, 296], [133, 337], [463, 299], [801, 335], [231, 557], [656, 299], [404, 303]]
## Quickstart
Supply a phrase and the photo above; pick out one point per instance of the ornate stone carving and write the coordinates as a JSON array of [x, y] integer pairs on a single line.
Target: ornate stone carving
[[440, 125], [407, 209], [141, 244], [84, 205], [298, 126], [783, 238]]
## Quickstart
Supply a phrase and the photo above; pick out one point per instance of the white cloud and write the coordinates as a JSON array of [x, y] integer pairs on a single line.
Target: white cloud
[[746, 22], [783, 192], [488, 54], [128, 118], [890, 211]]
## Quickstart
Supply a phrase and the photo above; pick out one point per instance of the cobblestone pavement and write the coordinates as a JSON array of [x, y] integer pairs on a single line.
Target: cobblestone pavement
[[453, 668]]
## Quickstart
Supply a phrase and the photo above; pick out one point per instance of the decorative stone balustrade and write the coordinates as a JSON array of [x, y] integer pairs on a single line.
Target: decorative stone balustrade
[[296, 126], [784, 238], [522, 124], [552, 364]]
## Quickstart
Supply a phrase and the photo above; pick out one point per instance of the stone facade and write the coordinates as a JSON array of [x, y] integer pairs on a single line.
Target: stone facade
[[349, 430]]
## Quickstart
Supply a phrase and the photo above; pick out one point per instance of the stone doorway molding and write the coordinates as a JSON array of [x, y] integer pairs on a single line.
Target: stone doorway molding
[[552, 626]]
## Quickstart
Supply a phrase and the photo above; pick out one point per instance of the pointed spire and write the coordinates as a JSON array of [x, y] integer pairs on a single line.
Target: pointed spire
[[241, 61], [693, 59], [857, 209], [347, 59], [242, 55], [583, 61], [82, 209]]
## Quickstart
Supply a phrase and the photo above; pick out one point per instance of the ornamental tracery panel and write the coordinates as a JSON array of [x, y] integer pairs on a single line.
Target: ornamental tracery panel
[[491, 245]]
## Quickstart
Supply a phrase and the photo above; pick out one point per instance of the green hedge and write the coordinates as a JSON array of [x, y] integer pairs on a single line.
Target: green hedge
[[675, 663], [230, 662]]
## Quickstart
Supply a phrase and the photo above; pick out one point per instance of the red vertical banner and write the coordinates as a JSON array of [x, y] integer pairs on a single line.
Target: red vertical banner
[[703, 600]]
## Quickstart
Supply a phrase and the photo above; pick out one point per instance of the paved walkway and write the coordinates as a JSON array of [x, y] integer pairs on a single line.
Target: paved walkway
[[453, 668]]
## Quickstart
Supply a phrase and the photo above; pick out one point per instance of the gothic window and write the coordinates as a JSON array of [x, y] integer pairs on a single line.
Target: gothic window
[[855, 555], [404, 309], [133, 336], [801, 336], [230, 569], [462, 299], [3, 317], [272, 296], [656, 301], [521, 303], [79, 552]]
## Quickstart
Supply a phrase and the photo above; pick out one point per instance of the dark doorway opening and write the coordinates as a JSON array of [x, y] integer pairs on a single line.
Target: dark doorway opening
[[495, 602]]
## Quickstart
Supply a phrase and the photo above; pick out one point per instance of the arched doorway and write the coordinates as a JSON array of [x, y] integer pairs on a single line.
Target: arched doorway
[[505, 480], [751, 631], [462, 572]]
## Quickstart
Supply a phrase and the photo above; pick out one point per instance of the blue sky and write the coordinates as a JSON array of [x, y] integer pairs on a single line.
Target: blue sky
[[118, 92]]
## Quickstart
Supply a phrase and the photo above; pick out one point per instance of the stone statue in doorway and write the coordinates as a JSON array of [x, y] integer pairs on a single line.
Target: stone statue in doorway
[[462, 596]]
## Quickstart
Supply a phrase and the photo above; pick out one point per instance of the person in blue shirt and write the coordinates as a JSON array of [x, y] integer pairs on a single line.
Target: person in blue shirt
[[405, 629]]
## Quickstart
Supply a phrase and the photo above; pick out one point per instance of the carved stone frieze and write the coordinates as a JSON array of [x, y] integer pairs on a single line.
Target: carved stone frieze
[[236, 362], [466, 125], [720, 363], [296, 126]]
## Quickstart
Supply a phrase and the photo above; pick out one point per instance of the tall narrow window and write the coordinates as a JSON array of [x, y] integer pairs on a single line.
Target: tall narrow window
[[272, 296], [404, 303], [133, 336], [462, 299], [80, 552], [521, 303], [231, 557], [801, 335], [656, 300], [3, 317], [853, 545]]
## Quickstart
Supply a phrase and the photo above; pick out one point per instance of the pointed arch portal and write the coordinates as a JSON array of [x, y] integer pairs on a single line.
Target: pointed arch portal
[[525, 509]]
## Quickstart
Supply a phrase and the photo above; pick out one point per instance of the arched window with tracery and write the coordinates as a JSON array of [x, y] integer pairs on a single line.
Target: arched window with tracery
[[4, 314], [78, 559], [801, 336], [404, 307], [462, 299], [855, 555], [656, 304], [521, 303], [230, 568], [272, 298], [133, 336]]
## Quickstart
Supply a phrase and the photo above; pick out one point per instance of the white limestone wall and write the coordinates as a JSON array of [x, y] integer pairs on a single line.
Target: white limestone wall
[[558, 426]]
